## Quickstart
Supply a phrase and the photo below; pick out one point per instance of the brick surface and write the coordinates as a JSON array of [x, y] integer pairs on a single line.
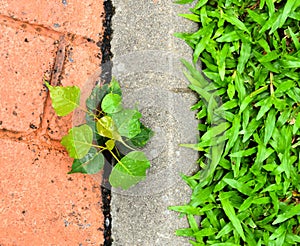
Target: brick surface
[[75, 16], [81, 65], [25, 59], [40, 204]]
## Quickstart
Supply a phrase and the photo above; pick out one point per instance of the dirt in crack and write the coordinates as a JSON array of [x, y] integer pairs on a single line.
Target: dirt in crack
[[104, 44], [106, 76]]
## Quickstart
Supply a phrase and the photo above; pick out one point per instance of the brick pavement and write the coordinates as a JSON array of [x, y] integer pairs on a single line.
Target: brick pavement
[[39, 203]]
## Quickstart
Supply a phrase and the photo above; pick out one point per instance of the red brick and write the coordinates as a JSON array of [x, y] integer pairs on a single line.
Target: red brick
[[40, 204], [81, 68], [25, 59], [76, 16]]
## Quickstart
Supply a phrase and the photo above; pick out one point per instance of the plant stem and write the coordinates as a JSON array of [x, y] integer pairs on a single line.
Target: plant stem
[[112, 153]]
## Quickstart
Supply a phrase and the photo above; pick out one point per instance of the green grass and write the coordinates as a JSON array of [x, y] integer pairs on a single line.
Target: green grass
[[247, 189]]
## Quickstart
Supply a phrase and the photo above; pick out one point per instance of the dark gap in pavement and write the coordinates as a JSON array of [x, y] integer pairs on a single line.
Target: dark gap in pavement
[[106, 76]]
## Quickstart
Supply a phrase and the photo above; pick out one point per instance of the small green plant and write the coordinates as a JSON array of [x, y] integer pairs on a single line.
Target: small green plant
[[111, 132], [247, 191]]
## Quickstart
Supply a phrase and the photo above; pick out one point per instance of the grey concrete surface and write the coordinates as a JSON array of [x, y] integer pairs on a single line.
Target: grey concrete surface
[[147, 64]]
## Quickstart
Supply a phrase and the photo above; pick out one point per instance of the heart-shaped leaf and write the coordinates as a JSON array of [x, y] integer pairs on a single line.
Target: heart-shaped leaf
[[128, 122], [130, 170], [107, 128], [112, 103], [143, 137], [78, 141], [115, 87], [110, 144], [91, 163], [97, 95], [64, 99]]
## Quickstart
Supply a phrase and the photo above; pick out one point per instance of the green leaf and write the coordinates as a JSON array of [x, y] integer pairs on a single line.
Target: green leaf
[[184, 1], [265, 107], [243, 153], [229, 37], [284, 86], [192, 222], [245, 103], [115, 87], [111, 103], [221, 60], [187, 209], [289, 213], [127, 122], [256, 17], [201, 46], [206, 232], [236, 22], [251, 61], [110, 144], [251, 128], [107, 128], [271, 56], [200, 3], [94, 100], [294, 38], [143, 137], [244, 56], [269, 125], [225, 244], [78, 141], [186, 232], [298, 121], [200, 195], [191, 17], [216, 154], [91, 163], [265, 45], [193, 75], [215, 131], [290, 63], [243, 188], [271, 7], [229, 211], [240, 88], [130, 170], [225, 230], [92, 106], [233, 132], [230, 91], [64, 99], [246, 204], [288, 8]]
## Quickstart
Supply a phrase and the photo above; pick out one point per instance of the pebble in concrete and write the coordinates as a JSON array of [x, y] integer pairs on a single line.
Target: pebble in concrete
[[147, 64]]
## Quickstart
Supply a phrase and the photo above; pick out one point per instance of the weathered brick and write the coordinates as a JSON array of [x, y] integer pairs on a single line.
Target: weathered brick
[[82, 67], [41, 204], [75, 16], [25, 59]]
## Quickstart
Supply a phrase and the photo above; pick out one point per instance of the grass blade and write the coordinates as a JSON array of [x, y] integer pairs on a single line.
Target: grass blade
[[229, 211], [291, 212]]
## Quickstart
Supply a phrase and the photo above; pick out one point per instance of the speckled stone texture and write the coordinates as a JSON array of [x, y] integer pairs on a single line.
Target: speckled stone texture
[[147, 64]]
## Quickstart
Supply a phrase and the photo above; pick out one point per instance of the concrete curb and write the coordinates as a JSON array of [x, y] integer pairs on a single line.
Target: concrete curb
[[147, 64]]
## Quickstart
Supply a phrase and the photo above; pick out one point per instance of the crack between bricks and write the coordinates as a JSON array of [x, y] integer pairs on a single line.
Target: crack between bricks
[[39, 29], [32, 138], [55, 79]]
